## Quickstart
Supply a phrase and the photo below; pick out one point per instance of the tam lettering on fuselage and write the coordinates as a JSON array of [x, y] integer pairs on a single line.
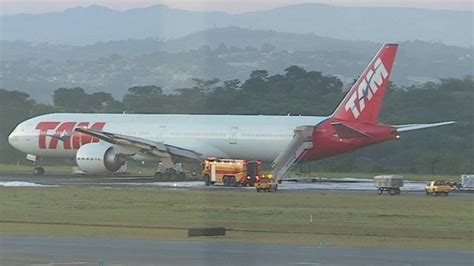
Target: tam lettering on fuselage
[[64, 132], [367, 88]]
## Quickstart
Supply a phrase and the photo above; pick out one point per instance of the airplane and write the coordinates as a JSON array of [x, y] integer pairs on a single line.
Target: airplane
[[102, 143]]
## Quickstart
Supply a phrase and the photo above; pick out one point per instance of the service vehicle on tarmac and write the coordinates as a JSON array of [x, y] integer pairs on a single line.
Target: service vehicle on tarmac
[[231, 173], [467, 182], [438, 187], [455, 185], [266, 183], [390, 183]]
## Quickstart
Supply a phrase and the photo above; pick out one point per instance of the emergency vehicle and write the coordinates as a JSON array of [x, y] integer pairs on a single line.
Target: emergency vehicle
[[266, 183], [438, 187], [231, 173]]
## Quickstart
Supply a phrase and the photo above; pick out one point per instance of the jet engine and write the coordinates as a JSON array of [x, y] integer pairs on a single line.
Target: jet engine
[[97, 158]]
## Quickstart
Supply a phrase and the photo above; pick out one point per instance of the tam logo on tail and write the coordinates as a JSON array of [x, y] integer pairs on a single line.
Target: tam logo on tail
[[364, 100], [367, 88]]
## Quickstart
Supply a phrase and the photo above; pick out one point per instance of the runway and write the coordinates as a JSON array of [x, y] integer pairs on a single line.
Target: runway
[[348, 185], [352, 186], [21, 250]]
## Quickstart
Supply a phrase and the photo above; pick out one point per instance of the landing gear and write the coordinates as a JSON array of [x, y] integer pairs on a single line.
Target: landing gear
[[158, 175], [38, 170], [169, 174], [164, 176]]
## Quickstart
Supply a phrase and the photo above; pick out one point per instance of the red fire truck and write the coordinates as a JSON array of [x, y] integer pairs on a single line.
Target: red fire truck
[[231, 173]]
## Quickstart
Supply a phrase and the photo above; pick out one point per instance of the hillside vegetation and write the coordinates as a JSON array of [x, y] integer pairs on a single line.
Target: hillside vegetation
[[296, 92], [224, 53]]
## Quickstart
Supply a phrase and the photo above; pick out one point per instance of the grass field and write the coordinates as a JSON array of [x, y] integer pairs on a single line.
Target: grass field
[[338, 219], [149, 171]]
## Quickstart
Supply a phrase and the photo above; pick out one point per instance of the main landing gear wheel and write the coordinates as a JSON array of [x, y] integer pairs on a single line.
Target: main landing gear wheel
[[181, 176], [38, 171], [170, 174], [158, 176]]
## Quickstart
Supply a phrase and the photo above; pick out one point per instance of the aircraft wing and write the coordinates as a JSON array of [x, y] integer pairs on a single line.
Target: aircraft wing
[[409, 127], [158, 149]]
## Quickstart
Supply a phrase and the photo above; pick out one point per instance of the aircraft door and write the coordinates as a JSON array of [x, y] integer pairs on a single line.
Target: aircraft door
[[233, 135], [161, 134]]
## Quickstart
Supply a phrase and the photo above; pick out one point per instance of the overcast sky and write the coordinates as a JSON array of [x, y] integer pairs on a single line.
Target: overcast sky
[[9, 7]]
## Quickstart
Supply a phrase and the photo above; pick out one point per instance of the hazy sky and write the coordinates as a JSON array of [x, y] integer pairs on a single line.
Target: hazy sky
[[9, 7]]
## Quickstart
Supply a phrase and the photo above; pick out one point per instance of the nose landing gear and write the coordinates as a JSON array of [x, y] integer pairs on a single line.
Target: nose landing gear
[[37, 168]]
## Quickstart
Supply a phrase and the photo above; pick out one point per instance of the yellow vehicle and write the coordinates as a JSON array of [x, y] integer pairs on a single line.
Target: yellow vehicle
[[438, 188], [266, 183], [230, 172]]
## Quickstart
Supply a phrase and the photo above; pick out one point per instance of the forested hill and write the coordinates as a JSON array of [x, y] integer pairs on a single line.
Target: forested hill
[[295, 92], [225, 53]]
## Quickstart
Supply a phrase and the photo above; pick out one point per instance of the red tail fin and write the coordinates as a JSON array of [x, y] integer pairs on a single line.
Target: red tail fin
[[364, 100]]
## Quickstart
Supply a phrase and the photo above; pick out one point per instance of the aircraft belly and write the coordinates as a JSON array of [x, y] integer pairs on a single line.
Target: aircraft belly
[[266, 150]]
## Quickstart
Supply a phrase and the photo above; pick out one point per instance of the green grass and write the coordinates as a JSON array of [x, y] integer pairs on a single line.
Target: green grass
[[338, 219]]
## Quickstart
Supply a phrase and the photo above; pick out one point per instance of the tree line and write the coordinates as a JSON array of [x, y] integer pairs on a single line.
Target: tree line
[[295, 92]]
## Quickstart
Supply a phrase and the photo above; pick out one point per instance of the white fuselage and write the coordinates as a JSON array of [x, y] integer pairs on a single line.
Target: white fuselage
[[229, 136]]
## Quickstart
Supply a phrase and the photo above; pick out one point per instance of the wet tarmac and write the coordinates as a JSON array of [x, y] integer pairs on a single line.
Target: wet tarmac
[[347, 185]]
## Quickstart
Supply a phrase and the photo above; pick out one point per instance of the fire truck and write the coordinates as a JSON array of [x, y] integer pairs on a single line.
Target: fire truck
[[231, 173]]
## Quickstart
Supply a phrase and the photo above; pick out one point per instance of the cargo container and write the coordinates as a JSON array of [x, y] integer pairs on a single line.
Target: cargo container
[[390, 183]]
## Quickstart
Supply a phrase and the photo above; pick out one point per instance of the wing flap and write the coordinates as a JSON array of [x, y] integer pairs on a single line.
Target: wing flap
[[158, 149]]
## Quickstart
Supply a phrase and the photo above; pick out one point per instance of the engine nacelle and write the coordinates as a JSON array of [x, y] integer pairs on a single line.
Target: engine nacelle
[[96, 158]]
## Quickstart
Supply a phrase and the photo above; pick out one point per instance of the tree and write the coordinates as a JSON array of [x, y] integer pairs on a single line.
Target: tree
[[71, 100], [204, 85], [145, 91], [295, 72], [77, 100], [259, 74], [15, 107], [144, 99]]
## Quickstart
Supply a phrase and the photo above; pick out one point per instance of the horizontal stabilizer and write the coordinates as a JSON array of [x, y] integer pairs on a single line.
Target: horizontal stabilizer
[[347, 132], [402, 128]]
